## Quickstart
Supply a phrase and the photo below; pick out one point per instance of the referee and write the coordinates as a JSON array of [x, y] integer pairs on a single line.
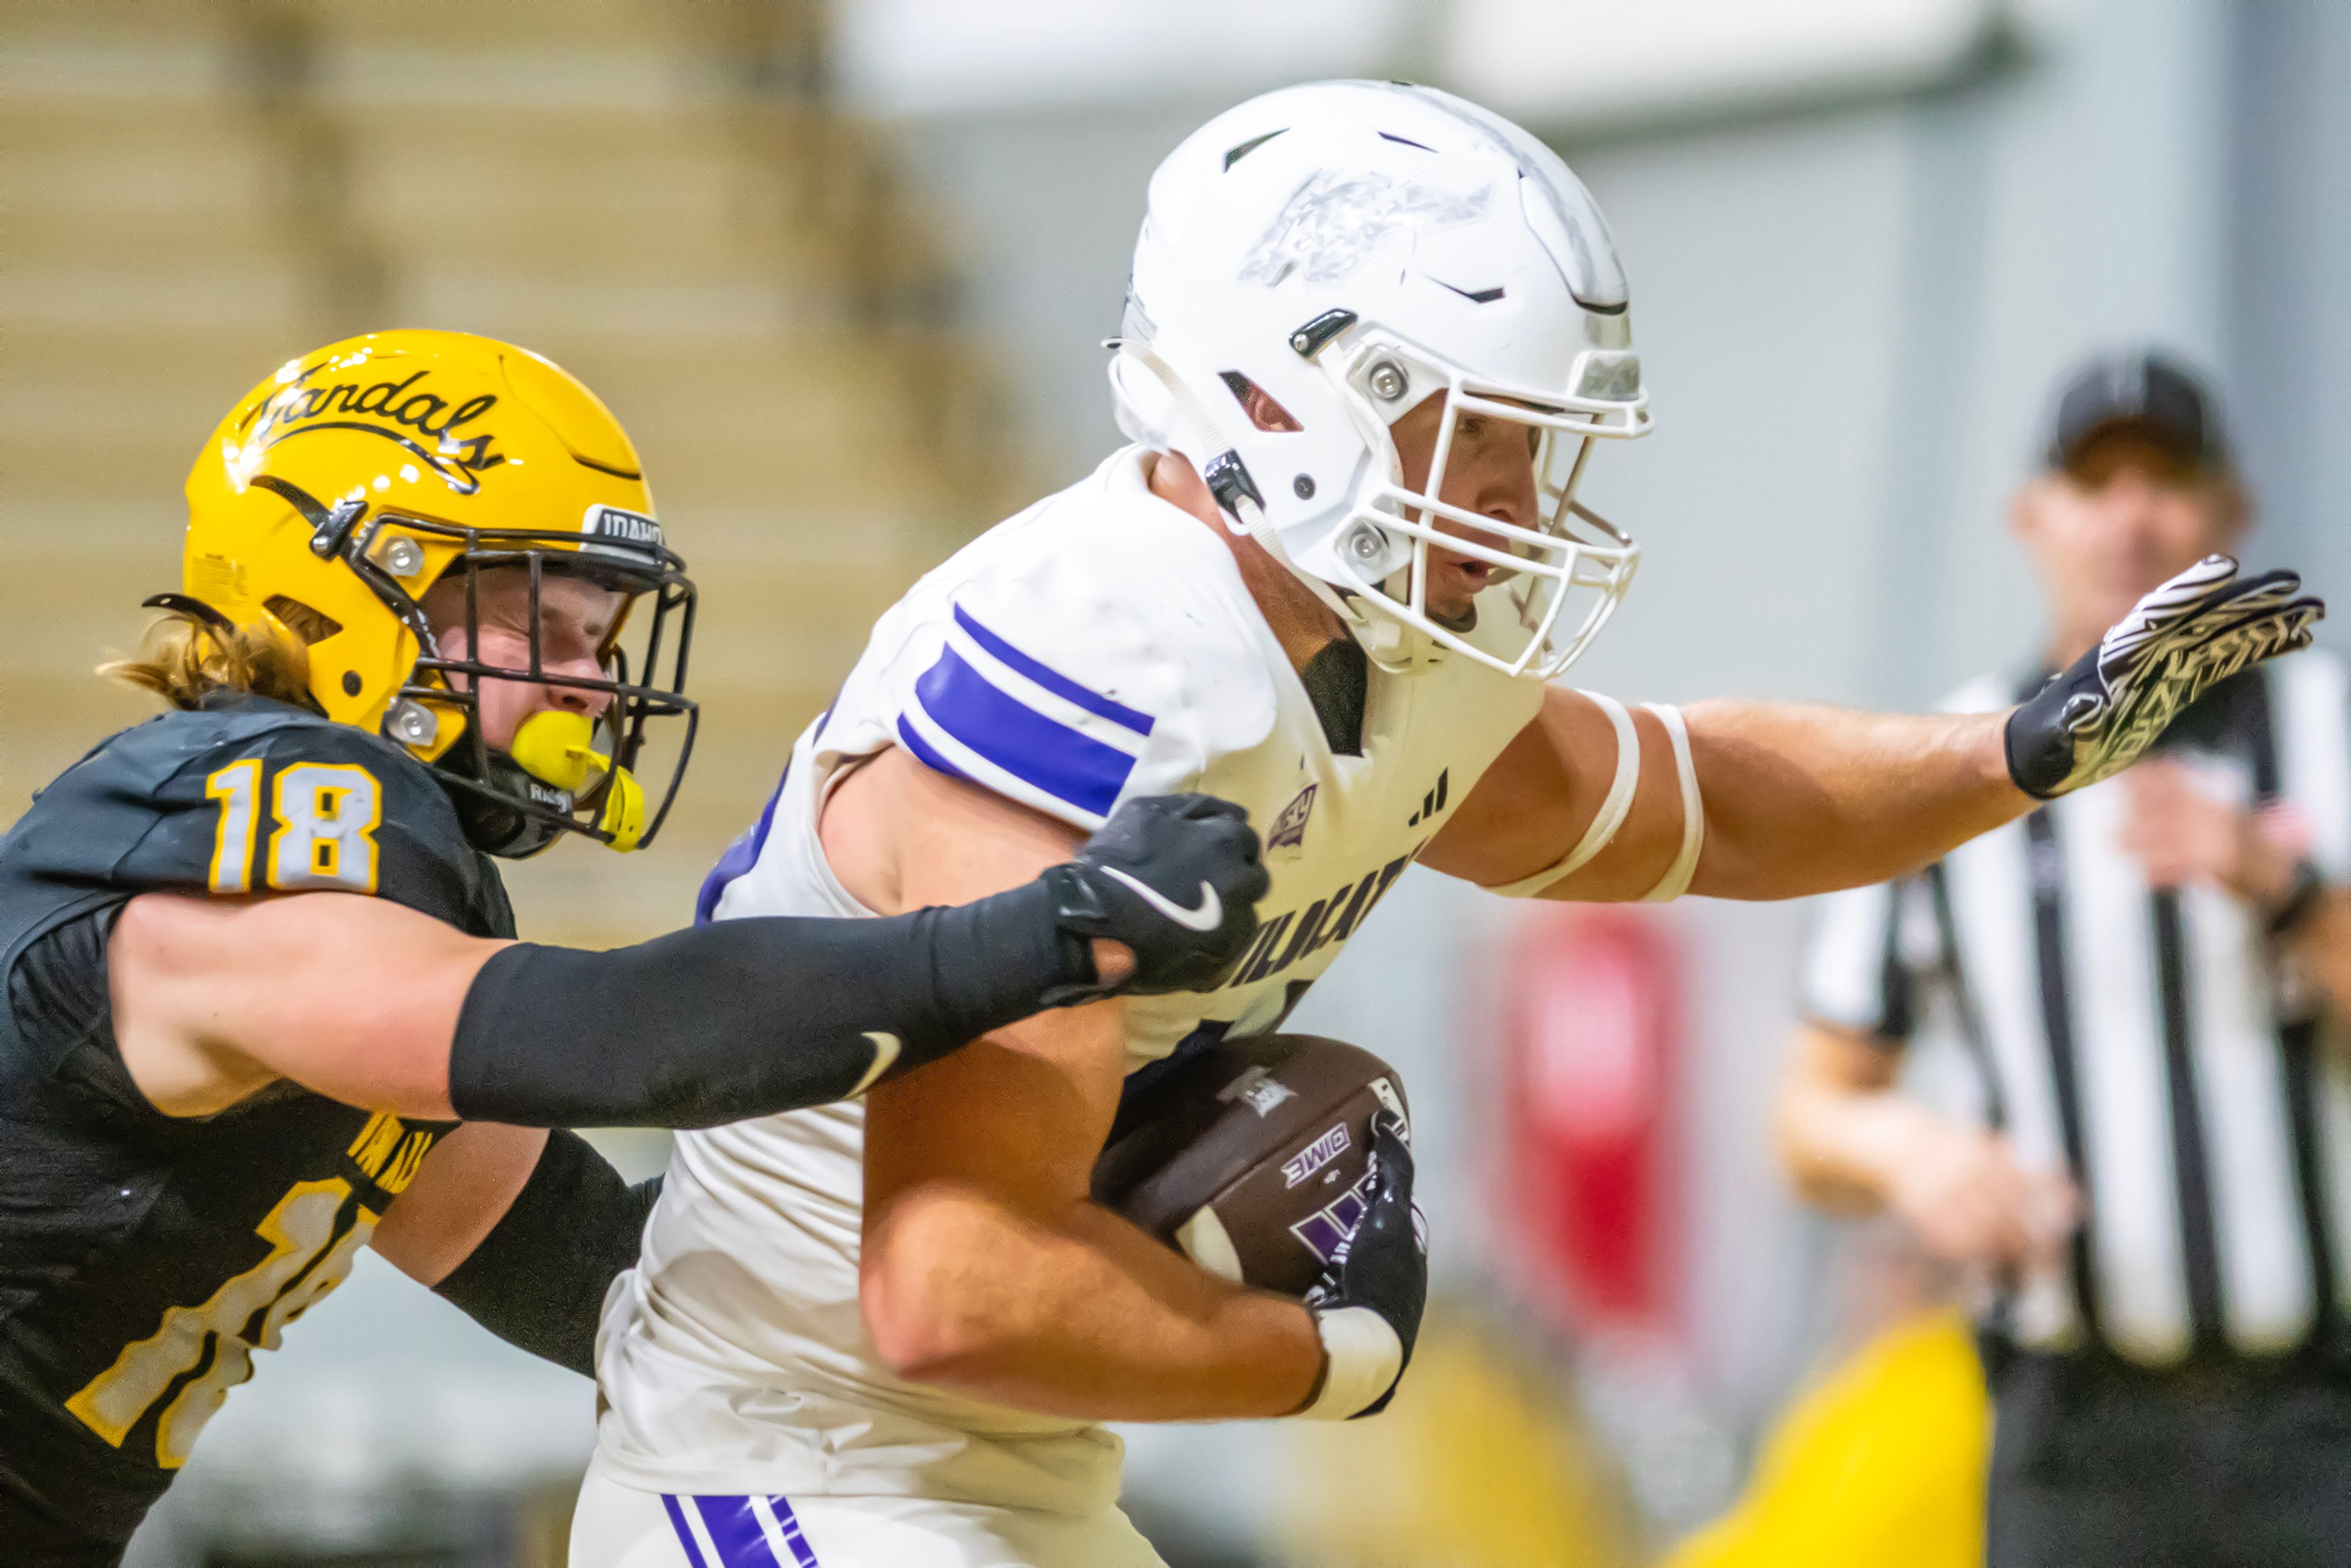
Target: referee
[[2150, 1175]]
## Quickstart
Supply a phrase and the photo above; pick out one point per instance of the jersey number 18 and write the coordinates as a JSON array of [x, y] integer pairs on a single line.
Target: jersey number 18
[[327, 814]]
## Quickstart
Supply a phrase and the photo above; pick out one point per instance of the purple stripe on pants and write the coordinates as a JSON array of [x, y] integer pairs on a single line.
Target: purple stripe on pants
[[685, 1531]]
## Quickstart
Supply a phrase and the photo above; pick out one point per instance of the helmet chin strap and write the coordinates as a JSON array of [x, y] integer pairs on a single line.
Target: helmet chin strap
[[1384, 642]]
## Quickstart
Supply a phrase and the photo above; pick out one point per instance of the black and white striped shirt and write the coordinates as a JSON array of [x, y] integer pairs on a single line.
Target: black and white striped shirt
[[2145, 1040]]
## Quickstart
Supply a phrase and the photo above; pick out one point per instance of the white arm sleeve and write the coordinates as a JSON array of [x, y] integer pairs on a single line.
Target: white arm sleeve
[[1677, 880], [1612, 810]]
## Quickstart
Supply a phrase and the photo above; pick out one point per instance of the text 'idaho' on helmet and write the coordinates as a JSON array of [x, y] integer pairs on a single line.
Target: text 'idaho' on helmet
[[354, 479], [1344, 252]]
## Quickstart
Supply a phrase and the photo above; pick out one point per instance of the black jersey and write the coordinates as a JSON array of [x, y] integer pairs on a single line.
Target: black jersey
[[144, 1258]]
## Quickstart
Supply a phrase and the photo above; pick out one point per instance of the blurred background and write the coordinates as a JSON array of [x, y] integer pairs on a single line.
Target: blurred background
[[842, 269]]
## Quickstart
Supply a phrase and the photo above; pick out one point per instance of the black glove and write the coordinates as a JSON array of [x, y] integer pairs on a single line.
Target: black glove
[[2196, 630], [1381, 1269], [1176, 878]]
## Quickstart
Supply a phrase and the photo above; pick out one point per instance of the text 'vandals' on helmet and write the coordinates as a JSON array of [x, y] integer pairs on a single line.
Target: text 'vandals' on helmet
[[1350, 250], [354, 479]]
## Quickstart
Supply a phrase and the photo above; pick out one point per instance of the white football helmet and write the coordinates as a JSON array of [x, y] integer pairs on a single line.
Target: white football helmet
[[1352, 248]]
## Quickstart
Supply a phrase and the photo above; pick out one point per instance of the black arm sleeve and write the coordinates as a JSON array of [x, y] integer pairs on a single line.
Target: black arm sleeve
[[538, 1279], [747, 1018]]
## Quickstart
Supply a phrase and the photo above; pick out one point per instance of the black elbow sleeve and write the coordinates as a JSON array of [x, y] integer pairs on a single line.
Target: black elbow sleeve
[[538, 1279], [747, 1018]]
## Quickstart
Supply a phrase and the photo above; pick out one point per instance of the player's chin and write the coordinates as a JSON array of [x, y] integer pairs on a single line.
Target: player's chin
[[1459, 618]]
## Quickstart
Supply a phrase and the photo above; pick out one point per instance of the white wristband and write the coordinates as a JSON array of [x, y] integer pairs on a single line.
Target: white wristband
[[1363, 1358]]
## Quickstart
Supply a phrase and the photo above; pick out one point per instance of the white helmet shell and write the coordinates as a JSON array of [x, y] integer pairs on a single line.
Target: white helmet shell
[[1352, 249]]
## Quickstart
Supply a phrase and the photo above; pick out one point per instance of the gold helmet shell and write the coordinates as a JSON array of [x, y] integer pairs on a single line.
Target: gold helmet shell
[[352, 478]]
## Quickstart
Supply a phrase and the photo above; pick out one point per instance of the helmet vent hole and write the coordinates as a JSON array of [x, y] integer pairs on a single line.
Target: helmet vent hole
[[1258, 405], [1406, 141], [310, 625], [351, 682]]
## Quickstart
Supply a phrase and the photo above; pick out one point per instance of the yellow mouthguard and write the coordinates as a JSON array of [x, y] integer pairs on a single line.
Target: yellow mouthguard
[[559, 748]]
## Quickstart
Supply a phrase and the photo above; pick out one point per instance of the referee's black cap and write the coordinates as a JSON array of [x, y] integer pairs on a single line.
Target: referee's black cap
[[2148, 393]]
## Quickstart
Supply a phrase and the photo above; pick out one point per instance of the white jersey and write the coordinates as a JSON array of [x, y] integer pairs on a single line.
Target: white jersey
[[1098, 646]]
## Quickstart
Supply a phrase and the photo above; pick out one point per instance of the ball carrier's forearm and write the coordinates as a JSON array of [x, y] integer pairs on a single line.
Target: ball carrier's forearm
[[1076, 1312], [1802, 800]]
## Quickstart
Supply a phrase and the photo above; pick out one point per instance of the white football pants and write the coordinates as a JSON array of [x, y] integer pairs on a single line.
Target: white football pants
[[617, 1526]]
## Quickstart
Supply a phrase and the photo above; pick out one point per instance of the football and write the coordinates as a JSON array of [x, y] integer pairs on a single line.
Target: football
[[1250, 1156]]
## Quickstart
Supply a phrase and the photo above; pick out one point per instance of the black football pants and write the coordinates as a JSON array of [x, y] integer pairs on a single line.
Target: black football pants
[[2096, 1463]]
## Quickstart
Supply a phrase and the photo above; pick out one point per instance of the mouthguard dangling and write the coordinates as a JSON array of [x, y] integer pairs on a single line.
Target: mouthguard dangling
[[557, 748]]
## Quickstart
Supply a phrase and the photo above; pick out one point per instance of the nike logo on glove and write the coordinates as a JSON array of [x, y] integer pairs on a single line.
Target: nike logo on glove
[[1206, 917]]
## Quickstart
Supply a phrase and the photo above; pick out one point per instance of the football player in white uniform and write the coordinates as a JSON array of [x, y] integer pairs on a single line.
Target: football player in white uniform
[[1374, 334]]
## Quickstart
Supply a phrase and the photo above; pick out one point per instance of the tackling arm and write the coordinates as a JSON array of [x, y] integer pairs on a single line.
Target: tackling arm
[[986, 1268], [367, 1002]]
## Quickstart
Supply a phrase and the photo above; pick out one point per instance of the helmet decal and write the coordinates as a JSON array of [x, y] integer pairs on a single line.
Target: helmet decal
[[400, 412], [1339, 217]]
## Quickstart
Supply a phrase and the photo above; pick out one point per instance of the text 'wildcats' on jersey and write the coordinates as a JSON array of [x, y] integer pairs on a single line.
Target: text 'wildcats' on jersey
[[144, 1257], [1101, 645]]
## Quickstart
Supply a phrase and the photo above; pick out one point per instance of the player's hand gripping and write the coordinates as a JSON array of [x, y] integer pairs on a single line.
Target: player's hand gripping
[[1176, 878], [2194, 632], [1367, 1305]]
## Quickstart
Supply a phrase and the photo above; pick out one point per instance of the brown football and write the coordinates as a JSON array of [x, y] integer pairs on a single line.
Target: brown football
[[1249, 1155]]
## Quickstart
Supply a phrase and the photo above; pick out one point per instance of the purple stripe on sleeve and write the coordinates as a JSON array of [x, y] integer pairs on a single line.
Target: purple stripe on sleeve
[[926, 751], [1042, 752], [1052, 680]]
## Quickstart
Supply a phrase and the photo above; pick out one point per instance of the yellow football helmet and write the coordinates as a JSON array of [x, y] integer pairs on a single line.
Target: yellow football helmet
[[341, 488]]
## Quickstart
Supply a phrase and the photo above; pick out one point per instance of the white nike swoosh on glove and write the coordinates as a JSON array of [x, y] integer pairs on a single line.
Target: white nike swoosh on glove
[[1207, 916], [886, 1048]]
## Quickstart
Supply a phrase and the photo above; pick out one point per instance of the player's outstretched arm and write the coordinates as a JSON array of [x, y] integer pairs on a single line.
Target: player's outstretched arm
[[374, 1004], [1777, 800]]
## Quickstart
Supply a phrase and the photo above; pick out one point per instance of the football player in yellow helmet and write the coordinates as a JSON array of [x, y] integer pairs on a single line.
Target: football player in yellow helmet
[[424, 515], [264, 1002]]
